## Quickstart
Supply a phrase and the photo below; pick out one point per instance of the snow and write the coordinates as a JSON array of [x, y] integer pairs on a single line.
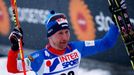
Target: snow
[[82, 71], [93, 72]]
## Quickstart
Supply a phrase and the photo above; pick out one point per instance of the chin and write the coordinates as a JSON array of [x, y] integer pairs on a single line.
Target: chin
[[63, 46]]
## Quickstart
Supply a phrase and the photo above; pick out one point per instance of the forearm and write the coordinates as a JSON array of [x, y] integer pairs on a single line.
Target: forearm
[[12, 61], [100, 45], [111, 37]]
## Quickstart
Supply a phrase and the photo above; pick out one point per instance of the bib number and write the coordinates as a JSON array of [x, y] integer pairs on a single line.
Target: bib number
[[69, 73]]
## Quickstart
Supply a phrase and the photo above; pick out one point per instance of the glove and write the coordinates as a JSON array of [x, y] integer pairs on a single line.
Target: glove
[[116, 9], [16, 35]]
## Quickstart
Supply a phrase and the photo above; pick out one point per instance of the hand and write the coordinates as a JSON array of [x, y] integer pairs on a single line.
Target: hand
[[16, 35]]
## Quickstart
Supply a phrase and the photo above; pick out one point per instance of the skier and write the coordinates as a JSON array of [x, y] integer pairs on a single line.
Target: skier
[[59, 57]]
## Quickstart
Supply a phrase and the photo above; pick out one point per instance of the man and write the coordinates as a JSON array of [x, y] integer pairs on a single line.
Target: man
[[60, 57]]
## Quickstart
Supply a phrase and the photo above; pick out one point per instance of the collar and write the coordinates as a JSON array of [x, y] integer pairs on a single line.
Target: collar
[[55, 51]]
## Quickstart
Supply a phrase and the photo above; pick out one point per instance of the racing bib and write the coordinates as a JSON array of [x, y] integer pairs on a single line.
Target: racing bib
[[63, 65]]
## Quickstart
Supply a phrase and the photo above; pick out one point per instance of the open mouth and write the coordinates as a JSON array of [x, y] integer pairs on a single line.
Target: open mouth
[[63, 42]]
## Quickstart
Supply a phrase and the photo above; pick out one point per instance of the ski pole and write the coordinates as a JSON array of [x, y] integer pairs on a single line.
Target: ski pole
[[17, 24]]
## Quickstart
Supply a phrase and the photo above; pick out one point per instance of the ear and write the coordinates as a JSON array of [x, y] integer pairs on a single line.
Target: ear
[[49, 38]]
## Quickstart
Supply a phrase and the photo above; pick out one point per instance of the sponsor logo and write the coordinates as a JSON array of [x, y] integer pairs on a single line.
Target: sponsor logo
[[30, 58], [82, 22], [46, 53], [35, 55], [70, 63], [61, 20], [4, 19], [103, 21], [65, 25], [30, 15], [50, 30], [89, 43], [52, 64], [64, 61], [69, 59]]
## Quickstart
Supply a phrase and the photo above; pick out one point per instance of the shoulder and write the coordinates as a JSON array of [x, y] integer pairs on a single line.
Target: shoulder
[[76, 43], [42, 53], [39, 52]]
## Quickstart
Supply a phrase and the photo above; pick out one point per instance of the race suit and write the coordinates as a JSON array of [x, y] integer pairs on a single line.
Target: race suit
[[48, 61]]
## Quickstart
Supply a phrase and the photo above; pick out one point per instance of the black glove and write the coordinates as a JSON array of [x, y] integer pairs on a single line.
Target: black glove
[[15, 35]]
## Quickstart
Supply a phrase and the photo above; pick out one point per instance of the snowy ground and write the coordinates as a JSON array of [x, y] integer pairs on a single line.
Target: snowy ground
[[87, 67], [82, 71]]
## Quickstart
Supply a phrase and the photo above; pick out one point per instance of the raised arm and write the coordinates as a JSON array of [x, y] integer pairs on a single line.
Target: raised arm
[[14, 65], [88, 48]]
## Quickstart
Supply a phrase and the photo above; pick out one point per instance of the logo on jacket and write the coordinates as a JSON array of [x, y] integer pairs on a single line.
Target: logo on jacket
[[52, 64], [69, 59], [62, 62]]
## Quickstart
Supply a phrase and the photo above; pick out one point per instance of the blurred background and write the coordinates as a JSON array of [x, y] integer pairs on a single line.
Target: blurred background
[[88, 19]]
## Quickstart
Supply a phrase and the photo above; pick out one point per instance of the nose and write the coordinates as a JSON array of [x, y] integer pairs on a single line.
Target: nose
[[65, 36]]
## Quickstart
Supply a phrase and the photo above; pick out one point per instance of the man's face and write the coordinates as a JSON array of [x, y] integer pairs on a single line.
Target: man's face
[[60, 39]]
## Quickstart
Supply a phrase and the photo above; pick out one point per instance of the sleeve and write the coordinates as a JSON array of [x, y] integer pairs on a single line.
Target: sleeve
[[12, 61], [32, 62], [36, 60], [88, 48], [14, 65]]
